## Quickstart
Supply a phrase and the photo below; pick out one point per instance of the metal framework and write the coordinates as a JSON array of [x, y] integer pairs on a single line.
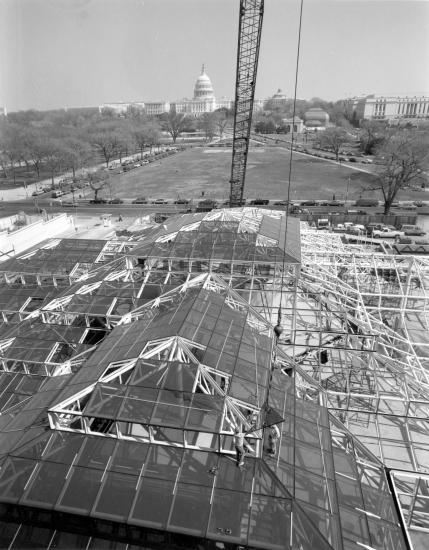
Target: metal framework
[[249, 37], [168, 344]]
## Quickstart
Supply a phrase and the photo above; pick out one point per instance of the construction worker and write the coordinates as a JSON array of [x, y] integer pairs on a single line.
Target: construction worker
[[240, 444], [273, 437]]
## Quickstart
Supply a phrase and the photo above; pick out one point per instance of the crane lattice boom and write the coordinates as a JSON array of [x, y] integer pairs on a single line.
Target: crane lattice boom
[[249, 37]]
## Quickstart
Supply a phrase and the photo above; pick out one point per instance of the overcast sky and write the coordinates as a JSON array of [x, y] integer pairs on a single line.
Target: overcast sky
[[57, 53]]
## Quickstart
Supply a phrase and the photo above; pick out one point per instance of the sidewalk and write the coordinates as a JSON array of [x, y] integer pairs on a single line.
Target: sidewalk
[[22, 193], [92, 227]]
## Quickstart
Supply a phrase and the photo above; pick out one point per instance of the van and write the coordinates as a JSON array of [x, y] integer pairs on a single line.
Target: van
[[56, 194], [323, 223]]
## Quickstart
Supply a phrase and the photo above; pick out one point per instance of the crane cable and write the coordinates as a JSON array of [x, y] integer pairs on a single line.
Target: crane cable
[[278, 328]]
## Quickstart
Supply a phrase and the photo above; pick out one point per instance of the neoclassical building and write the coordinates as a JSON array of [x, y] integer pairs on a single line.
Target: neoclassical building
[[392, 109], [203, 101]]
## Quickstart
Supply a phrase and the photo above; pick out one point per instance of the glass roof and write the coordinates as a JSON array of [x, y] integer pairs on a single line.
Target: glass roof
[[122, 389]]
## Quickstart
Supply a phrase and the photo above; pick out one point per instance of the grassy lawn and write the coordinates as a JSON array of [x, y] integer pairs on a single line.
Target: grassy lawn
[[200, 170]]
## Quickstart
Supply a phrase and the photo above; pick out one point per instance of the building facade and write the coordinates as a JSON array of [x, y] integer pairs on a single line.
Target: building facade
[[203, 101], [316, 118], [391, 109]]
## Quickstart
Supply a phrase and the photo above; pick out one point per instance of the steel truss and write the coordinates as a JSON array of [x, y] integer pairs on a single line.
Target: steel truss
[[360, 348], [249, 37]]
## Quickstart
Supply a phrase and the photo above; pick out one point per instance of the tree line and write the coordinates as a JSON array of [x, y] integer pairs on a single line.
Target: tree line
[[401, 154], [53, 142]]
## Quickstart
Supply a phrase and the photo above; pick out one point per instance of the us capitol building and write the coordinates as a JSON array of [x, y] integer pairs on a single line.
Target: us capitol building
[[204, 101]]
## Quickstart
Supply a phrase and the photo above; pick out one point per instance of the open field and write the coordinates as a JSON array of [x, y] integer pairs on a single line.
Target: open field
[[207, 170]]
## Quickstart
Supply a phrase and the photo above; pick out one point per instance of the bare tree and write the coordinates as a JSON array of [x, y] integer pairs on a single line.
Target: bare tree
[[140, 138], [76, 153], [11, 145], [372, 134], [333, 139], [97, 180], [207, 123], [222, 122], [54, 156], [403, 157], [106, 140], [153, 136], [175, 123], [4, 163]]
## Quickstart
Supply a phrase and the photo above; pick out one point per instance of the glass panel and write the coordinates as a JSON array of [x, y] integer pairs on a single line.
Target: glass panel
[[7, 532], [81, 490], [152, 506], [163, 462], [198, 467], [14, 476], [116, 496], [47, 483], [269, 522], [96, 452], [67, 541], [129, 457], [34, 538], [230, 516], [191, 509]]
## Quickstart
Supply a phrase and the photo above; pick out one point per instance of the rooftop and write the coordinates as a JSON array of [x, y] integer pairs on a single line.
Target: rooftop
[[125, 375]]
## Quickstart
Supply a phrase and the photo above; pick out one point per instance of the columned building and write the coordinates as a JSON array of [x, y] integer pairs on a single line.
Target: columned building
[[392, 109], [203, 101]]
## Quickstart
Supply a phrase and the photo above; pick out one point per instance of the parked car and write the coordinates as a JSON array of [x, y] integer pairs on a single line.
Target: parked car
[[116, 200], [388, 231], [140, 200], [260, 202], [98, 201], [357, 229], [339, 228], [182, 201], [308, 203], [335, 203], [366, 202], [323, 223], [412, 230], [160, 201], [357, 212], [69, 204], [371, 227], [281, 203], [408, 206]]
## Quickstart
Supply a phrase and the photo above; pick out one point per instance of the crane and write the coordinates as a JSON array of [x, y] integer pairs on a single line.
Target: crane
[[249, 37]]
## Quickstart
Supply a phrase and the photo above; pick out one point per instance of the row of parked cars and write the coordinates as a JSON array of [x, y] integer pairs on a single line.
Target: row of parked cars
[[130, 164], [377, 230]]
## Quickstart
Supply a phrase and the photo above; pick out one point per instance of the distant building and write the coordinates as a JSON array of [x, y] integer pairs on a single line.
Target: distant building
[[277, 101], [203, 101], [154, 108], [316, 118], [392, 109], [121, 108], [295, 123]]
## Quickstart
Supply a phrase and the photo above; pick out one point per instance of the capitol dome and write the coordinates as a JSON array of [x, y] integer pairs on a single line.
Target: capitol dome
[[279, 95], [203, 87]]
